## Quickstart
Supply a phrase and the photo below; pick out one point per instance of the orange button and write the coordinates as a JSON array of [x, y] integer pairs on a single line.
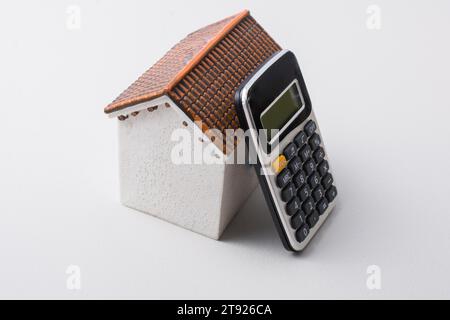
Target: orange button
[[279, 163]]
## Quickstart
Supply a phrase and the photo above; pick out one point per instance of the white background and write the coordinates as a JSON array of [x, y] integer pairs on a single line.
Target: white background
[[382, 100]]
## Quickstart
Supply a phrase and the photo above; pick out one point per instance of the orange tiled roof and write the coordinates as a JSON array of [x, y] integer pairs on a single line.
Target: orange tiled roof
[[202, 72], [164, 74]]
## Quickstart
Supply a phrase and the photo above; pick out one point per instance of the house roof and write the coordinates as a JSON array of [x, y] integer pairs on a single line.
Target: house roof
[[175, 64], [202, 72]]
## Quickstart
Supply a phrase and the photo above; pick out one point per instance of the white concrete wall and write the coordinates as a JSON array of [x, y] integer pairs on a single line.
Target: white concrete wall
[[199, 197]]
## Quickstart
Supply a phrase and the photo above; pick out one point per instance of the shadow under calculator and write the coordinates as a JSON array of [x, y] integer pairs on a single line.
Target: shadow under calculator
[[253, 226]]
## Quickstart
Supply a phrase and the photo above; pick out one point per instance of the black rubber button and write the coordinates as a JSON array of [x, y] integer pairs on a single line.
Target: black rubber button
[[327, 180], [293, 206], [288, 192], [300, 179], [312, 219], [319, 155], [323, 167], [309, 167], [302, 233], [314, 141], [318, 193], [304, 192], [297, 220], [314, 180], [322, 206], [300, 139], [290, 151], [308, 206], [310, 127], [295, 165], [284, 178], [331, 194], [305, 153]]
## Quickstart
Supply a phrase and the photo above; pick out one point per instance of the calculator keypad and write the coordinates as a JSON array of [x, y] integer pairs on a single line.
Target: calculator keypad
[[306, 185]]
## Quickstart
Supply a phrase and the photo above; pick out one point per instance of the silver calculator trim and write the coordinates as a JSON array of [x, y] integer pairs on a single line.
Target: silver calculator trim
[[266, 161]]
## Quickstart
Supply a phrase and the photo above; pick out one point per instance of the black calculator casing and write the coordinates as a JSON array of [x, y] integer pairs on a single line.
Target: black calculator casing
[[256, 93]]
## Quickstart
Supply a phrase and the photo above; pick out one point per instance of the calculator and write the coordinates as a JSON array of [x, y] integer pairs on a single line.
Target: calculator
[[292, 164]]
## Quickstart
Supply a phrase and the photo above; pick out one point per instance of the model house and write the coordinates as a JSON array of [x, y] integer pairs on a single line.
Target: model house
[[192, 87]]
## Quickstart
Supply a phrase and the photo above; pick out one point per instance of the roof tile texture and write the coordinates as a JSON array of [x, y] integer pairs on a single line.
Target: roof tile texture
[[202, 72], [155, 81], [207, 92]]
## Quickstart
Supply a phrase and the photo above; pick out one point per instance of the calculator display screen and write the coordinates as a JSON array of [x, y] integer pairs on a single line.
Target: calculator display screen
[[287, 105]]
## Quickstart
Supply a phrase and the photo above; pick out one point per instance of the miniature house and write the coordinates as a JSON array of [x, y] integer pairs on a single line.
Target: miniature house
[[191, 87]]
